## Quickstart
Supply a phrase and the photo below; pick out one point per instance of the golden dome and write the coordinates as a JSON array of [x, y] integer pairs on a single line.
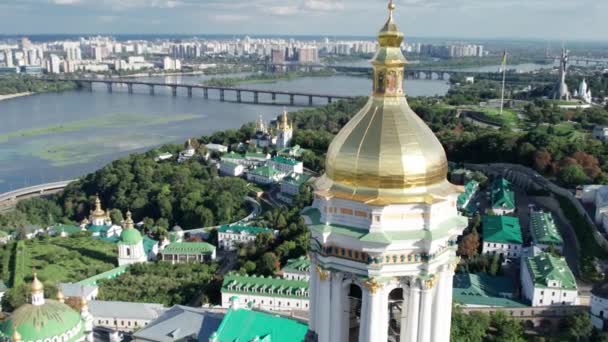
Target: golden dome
[[386, 154], [37, 286], [128, 223], [98, 212]]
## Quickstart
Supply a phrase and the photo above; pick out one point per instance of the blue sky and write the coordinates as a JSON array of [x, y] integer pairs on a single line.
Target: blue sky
[[553, 19]]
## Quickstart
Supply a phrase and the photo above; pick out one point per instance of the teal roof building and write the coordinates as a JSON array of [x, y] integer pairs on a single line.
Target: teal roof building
[[484, 290], [544, 231], [501, 235], [502, 197], [249, 325]]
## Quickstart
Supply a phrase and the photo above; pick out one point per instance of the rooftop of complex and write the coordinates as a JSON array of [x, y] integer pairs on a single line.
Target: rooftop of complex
[[111, 274], [502, 195], [543, 229], [484, 290], [469, 190], [132, 310], [546, 269], [296, 179], [265, 171], [501, 229], [249, 325], [260, 285], [238, 229], [181, 323], [299, 265], [286, 161], [189, 248]]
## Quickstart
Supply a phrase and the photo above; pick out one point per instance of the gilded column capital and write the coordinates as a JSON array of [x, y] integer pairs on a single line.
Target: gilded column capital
[[428, 282], [323, 274], [372, 285], [454, 264]]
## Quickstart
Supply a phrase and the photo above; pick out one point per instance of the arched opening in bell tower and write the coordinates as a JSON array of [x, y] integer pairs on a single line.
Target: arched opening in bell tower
[[395, 314], [355, 296]]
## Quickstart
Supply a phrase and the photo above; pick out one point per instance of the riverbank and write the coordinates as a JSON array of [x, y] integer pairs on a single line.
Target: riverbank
[[13, 96]]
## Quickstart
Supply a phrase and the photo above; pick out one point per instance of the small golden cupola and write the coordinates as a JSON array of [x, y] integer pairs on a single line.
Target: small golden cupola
[[386, 154], [98, 212]]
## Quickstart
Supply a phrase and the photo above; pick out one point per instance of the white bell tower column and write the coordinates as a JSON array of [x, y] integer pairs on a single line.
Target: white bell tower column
[[337, 306], [426, 310], [375, 325]]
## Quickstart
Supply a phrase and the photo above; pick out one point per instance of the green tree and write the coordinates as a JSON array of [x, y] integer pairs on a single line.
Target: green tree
[[468, 327], [268, 264], [579, 326], [116, 216], [573, 175]]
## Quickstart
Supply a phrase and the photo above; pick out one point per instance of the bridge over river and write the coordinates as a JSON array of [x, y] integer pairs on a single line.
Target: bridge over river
[[9, 199], [87, 83]]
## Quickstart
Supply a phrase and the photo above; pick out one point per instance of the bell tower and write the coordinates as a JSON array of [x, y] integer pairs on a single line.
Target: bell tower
[[384, 221]]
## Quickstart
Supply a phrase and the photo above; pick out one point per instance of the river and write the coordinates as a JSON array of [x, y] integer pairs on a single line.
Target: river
[[57, 136]]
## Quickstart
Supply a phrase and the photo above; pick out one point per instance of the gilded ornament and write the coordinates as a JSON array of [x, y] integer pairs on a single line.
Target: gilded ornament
[[372, 285], [323, 275]]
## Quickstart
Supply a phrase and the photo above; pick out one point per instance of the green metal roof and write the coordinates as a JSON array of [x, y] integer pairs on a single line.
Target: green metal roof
[[381, 237], [501, 229], [111, 274], [130, 236], [237, 229], [545, 268], [296, 179], [470, 188], [244, 325], [98, 229], [543, 229], [230, 164], [189, 248], [149, 243], [37, 323], [502, 195], [286, 161], [484, 290], [265, 171], [233, 156], [249, 155], [301, 264], [280, 287]]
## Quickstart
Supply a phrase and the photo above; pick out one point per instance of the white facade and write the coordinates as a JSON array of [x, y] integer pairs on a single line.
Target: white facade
[[266, 301], [231, 169], [382, 268], [600, 132], [286, 166], [552, 294], [507, 250], [131, 254], [124, 316], [217, 148], [599, 310], [231, 240]]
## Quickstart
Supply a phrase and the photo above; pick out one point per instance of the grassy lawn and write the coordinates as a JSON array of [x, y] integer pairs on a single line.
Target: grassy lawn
[[66, 259], [508, 118]]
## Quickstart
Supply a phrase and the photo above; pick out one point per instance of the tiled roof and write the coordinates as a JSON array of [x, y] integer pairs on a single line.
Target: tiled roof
[[189, 248], [545, 268], [543, 229], [260, 285], [502, 195], [501, 229]]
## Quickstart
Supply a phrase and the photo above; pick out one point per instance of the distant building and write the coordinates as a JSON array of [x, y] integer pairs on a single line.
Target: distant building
[[297, 269], [502, 197], [170, 64], [502, 236], [285, 132], [163, 156], [308, 55], [287, 166], [186, 252], [100, 225], [464, 199], [599, 305], [584, 93], [267, 293], [249, 159], [561, 91], [230, 237], [547, 280], [290, 186], [124, 316], [600, 132], [180, 323], [131, 245], [265, 175], [217, 148], [483, 290], [544, 231], [231, 169], [292, 152], [186, 154], [262, 136]]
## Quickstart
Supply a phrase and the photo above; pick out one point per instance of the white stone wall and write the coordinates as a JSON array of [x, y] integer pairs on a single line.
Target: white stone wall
[[292, 276], [553, 295], [287, 168], [599, 311], [266, 302], [230, 170], [506, 249]]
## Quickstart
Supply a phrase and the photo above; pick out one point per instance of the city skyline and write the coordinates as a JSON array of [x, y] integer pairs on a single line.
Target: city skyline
[[560, 20]]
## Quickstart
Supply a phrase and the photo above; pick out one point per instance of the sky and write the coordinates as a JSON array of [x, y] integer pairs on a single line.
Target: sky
[[545, 19]]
